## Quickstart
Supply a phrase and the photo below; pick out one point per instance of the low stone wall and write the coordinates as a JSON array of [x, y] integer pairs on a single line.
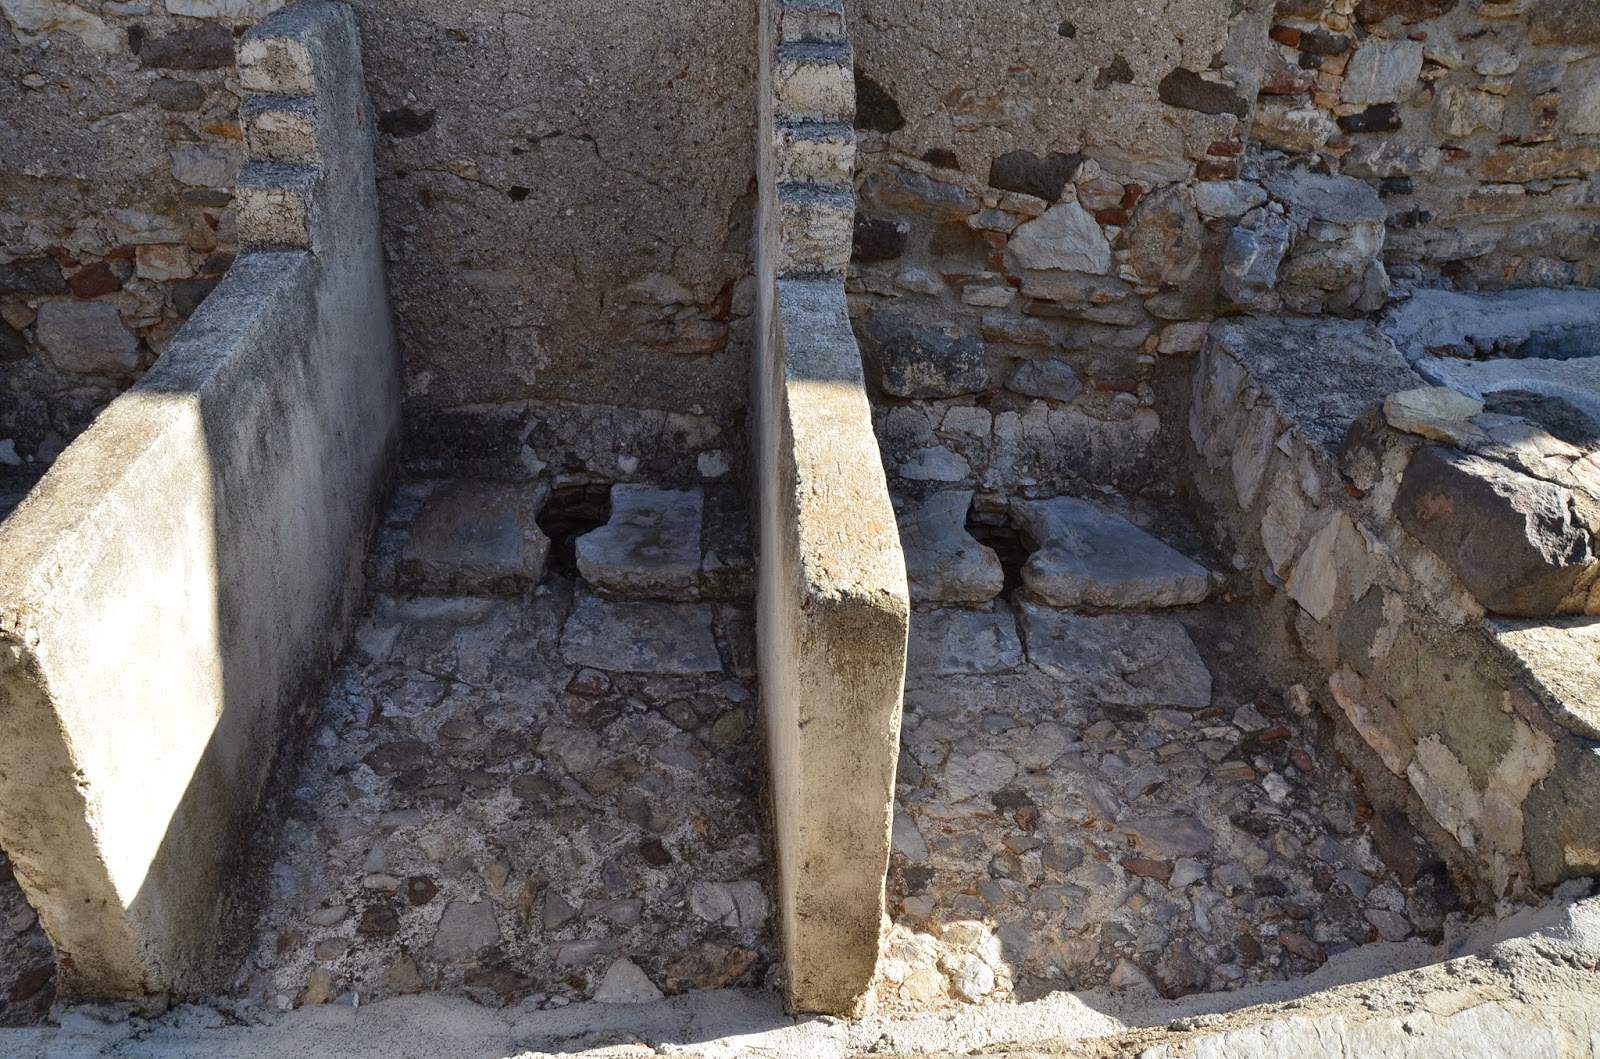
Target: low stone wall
[[833, 605], [1483, 726], [187, 571]]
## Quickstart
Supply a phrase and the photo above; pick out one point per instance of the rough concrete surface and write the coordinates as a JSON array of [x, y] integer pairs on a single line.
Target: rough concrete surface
[[226, 502], [1528, 979]]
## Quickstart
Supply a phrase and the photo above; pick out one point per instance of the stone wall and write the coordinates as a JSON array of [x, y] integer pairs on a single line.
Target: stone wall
[[119, 141], [1055, 197], [1307, 441], [1030, 248], [567, 197], [1478, 121]]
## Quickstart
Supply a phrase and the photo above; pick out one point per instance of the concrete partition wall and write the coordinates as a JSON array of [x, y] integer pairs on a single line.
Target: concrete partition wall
[[833, 608], [188, 570]]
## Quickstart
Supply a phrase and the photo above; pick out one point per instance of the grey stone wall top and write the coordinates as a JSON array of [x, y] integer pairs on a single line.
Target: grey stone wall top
[[1321, 373]]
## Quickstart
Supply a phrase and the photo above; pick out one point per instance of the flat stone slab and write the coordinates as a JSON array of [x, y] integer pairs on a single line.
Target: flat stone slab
[[945, 563], [1121, 660], [476, 537], [1090, 557], [953, 640], [650, 549], [640, 637]]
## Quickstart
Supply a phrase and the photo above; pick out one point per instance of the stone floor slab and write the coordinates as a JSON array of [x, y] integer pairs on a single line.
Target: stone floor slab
[[945, 563], [650, 548], [640, 637], [1125, 660], [955, 640], [1089, 556]]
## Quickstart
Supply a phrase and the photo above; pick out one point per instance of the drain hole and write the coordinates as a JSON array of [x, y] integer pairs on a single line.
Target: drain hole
[[572, 511], [1009, 543]]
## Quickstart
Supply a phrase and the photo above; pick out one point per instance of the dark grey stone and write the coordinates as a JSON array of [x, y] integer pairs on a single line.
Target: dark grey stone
[[177, 95], [208, 46], [1188, 90], [32, 275], [1030, 174], [1515, 541], [920, 361]]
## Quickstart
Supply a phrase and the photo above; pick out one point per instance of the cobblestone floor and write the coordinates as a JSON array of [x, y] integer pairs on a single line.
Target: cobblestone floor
[[27, 965], [1068, 822], [480, 815]]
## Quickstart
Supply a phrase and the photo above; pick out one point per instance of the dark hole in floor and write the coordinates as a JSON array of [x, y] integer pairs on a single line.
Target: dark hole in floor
[[1009, 543], [572, 511]]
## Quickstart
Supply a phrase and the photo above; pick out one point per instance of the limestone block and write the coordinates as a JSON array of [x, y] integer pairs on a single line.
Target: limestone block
[[1382, 71], [1066, 238]]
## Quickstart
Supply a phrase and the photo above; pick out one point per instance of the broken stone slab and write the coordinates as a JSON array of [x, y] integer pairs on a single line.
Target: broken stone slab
[[650, 548], [478, 538], [1116, 659], [945, 563], [954, 640], [640, 637], [1518, 544], [1090, 557]]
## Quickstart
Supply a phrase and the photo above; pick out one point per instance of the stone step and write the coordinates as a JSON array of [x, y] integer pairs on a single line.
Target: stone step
[[945, 563], [465, 537], [674, 545], [1088, 556], [650, 549]]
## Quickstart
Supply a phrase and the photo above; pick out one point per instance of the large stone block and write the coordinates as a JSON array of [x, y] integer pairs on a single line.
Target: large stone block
[[916, 360], [88, 338], [1516, 542]]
